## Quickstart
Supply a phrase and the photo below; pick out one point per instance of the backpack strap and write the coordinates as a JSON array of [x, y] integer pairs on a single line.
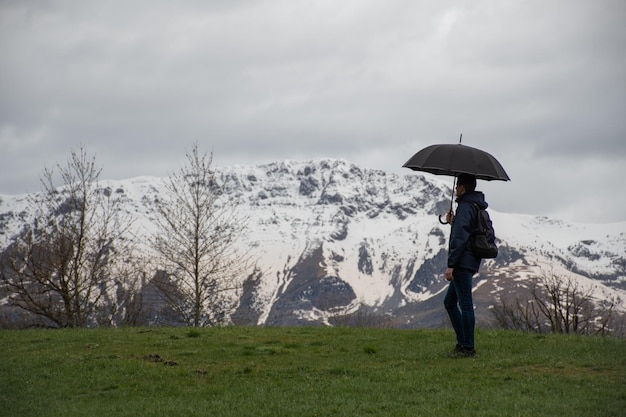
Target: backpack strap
[[478, 221]]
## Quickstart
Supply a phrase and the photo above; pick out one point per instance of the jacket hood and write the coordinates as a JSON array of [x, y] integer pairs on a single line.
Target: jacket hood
[[476, 197]]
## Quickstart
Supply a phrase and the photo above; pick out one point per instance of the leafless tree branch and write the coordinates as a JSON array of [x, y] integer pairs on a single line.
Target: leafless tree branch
[[198, 227]]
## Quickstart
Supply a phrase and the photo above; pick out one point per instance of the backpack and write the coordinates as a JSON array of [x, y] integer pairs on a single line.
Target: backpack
[[483, 237]]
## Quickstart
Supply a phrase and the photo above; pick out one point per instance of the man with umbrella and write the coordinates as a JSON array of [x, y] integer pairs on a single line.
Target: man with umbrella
[[462, 264], [466, 164]]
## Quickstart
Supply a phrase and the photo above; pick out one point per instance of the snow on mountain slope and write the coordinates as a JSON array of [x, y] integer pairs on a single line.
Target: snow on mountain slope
[[596, 250], [332, 238]]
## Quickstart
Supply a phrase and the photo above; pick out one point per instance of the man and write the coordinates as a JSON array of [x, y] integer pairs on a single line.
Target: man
[[462, 264]]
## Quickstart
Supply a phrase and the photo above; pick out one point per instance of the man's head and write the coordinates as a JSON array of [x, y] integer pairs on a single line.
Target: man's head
[[465, 183]]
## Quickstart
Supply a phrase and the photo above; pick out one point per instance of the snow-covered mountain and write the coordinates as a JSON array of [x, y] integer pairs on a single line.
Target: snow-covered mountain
[[335, 240]]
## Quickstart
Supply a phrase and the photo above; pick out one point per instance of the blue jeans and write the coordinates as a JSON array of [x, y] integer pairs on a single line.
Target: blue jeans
[[460, 307]]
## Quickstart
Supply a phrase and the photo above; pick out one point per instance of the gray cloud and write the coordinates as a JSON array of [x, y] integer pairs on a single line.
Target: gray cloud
[[541, 85]]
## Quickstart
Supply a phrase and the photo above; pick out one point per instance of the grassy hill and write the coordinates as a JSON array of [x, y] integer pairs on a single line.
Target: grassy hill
[[306, 371]]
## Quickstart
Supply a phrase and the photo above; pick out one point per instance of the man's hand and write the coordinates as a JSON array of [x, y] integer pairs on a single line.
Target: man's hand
[[449, 272], [450, 217]]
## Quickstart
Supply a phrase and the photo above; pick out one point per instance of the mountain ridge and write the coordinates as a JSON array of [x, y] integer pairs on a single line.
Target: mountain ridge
[[334, 239]]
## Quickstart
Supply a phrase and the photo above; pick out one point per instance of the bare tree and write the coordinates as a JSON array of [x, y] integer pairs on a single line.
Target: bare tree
[[556, 304], [62, 267], [195, 243], [519, 315]]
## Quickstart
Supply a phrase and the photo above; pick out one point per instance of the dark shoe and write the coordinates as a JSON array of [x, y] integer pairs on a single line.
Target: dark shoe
[[468, 352], [463, 352]]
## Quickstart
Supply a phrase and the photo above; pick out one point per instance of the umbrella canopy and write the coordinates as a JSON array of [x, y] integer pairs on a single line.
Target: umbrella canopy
[[456, 159]]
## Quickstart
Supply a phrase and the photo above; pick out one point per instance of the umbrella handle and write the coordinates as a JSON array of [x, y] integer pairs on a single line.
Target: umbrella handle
[[442, 221]]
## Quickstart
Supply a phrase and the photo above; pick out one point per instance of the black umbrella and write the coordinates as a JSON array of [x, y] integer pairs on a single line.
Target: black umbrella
[[453, 160]]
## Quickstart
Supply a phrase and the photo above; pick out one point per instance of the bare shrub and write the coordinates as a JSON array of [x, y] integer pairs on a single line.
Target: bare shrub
[[557, 304]]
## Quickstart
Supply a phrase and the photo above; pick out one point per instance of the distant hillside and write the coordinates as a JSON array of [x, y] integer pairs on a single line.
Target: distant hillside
[[335, 241]]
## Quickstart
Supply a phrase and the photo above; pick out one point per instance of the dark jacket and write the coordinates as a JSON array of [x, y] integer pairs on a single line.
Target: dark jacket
[[459, 251]]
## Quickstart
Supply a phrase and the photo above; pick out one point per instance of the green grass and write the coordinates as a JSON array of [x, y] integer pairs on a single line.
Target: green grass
[[306, 371]]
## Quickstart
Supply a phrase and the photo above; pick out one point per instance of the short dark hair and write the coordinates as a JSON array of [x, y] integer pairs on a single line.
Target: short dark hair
[[468, 181]]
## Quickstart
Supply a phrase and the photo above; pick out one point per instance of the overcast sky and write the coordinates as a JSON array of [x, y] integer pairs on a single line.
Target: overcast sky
[[541, 85]]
